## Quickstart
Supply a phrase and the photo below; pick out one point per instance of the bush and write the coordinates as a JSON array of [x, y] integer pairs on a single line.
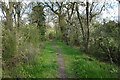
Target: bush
[[20, 46], [51, 35]]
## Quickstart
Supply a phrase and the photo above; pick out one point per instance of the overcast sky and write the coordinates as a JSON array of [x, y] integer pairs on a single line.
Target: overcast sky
[[111, 13]]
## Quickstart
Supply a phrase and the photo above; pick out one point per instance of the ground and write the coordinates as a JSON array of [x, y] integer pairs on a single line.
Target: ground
[[61, 61]]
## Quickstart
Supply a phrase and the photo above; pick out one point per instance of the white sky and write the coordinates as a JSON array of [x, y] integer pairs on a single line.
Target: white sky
[[109, 14], [51, 24], [0, 13]]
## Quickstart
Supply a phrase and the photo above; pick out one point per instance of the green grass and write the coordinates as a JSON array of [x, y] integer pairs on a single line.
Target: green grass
[[78, 64], [44, 67]]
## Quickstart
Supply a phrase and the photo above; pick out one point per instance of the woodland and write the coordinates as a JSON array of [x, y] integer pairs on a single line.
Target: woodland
[[59, 39]]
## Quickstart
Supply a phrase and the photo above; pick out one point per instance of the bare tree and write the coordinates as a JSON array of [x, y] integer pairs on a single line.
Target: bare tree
[[61, 11], [7, 12], [90, 14]]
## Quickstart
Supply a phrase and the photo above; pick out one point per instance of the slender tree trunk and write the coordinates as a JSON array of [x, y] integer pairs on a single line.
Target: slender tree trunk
[[109, 54], [78, 15], [81, 25], [18, 14], [88, 33], [18, 25], [15, 20]]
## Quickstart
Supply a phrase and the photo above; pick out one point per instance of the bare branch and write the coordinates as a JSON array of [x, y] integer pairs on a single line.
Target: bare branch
[[55, 11]]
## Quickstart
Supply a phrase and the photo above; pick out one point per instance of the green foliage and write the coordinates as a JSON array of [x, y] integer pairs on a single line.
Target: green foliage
[[83, 66], [9, 50], [105, 42], [51, 35], [37, 17], [28, 43], [9, 39], [93, 69], [44, 67], [58, 35], [20, 46]]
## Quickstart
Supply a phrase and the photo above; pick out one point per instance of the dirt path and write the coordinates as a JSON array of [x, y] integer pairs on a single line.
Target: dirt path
[[61, 63]]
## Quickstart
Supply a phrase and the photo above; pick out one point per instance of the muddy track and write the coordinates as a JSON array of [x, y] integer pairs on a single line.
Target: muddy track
[[61, 63]]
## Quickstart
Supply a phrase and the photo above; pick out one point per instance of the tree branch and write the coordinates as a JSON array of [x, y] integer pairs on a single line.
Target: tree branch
[[55, 11]]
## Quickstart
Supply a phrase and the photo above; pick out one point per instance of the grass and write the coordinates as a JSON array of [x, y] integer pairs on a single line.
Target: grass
[[44, 67], [78, 64], [83, 66]]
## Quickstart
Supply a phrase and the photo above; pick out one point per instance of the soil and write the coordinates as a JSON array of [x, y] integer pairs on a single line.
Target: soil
[[61, 70]]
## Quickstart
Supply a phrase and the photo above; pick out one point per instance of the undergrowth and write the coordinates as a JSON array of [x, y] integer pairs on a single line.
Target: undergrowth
[[80, 65], [44, 67]]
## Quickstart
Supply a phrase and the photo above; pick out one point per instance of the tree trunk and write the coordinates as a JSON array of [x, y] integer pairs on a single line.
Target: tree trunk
[[62, 25], [9, 21], [88, 33], [18, 25]]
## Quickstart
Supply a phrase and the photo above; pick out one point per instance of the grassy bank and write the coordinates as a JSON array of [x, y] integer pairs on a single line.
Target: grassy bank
[[77, 64], [81, 65], [44, 67]]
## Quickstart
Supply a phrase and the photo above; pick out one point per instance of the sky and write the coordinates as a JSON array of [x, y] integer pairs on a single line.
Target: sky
[[1, 13], [110, 14]]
